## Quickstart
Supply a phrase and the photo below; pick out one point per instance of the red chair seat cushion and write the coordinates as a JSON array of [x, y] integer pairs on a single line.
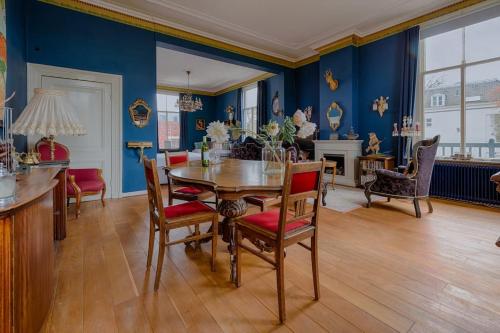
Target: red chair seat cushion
[[187, 208], [189, 190], [269, 220], [87, 186]]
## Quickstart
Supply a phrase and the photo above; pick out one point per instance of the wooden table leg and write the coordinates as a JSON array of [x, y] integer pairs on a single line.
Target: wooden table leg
[[231, 209]]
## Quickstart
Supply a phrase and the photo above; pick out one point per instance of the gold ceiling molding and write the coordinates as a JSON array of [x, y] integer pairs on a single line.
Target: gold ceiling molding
[[219, 92], [183, 90], [112, 15], [356, 40], [353, 39]]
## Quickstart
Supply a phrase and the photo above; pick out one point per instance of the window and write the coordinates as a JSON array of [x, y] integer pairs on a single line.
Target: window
[[249, 110], [169, 128], [460, 89], [438, 100]]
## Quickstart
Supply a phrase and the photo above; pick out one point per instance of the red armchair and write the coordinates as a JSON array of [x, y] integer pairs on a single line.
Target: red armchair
[[85, 182], [80, 182]]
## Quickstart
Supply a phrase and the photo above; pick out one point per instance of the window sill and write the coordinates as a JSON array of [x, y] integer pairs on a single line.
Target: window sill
[[473, 161]]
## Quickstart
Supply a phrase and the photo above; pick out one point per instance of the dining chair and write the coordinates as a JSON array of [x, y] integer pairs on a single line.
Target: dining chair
[[185, 193], [262, 201], [163, 219], [279, 228]]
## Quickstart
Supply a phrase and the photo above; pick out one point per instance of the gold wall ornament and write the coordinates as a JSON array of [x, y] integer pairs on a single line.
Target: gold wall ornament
[[334, 116], [140, 146], [140, 112], [332, 83], [381, 105]]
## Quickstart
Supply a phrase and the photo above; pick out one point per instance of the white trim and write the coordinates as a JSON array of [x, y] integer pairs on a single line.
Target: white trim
[[35, 73], [132, 194]]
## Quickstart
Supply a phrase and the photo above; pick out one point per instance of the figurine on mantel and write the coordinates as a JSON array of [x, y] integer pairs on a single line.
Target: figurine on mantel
[[373, 144]]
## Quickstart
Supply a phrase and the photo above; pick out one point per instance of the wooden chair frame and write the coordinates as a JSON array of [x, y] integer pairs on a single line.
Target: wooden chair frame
[[159, 223], [277, 242]]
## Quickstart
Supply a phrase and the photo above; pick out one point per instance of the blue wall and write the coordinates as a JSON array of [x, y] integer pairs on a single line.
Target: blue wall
[[64, 38], [344, 65], [307, 89], [364, 74], [16, 61], [52, 35], [208, 114], [222, 101], [380, 67]]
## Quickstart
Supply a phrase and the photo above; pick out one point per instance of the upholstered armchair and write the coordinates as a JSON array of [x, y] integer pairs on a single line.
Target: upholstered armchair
[[413, 184], [79, 182], [85, 182]]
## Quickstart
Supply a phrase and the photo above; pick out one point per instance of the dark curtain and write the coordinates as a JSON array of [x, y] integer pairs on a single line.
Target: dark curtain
[[408, 87], [184, 140], [237, 115], [261, 104]]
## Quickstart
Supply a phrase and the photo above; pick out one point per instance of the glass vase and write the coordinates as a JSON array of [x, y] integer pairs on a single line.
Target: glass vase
[[273, 158]]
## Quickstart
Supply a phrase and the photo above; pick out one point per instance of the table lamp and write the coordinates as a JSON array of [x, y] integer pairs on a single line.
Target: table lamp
[[48, 114]]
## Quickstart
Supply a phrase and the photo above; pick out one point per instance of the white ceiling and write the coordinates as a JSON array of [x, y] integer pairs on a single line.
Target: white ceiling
[[206, 74], [289, 29]]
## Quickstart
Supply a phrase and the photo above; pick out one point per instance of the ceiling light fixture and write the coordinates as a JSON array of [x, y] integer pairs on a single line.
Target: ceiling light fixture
[[186, 102]]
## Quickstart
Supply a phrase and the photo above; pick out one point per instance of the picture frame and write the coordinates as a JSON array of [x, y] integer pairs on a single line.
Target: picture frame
[[200, 124]]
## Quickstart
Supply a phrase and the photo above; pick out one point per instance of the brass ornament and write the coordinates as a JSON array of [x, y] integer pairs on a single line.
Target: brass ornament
[[332, 83], [140, 112], [334, 116]]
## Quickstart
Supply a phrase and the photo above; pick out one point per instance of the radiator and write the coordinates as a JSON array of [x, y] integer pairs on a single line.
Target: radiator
[[465, 182]]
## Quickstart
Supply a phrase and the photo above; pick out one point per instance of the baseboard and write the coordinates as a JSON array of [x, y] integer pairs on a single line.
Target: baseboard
[[132, 194]]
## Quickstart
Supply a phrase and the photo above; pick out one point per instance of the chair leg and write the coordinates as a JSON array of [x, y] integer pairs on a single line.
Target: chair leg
[[161, 254], [314, 262], [78, 200], [215, 233], [324, 193], [102, 196], [368, 198], [151, 243], [388, 199], [67, 202], [238, 258], [280, 277], [417, 207], [429, 205]]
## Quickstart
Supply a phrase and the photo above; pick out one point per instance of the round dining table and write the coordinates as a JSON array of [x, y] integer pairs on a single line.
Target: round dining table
[[231, 180]]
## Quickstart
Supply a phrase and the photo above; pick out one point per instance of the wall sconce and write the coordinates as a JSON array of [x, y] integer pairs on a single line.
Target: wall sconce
[[141, 145]]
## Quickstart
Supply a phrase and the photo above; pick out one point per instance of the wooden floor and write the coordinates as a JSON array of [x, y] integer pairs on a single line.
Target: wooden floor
[[381, 270]]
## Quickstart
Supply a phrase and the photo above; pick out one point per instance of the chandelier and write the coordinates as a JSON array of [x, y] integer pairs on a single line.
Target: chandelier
[[187, 103]]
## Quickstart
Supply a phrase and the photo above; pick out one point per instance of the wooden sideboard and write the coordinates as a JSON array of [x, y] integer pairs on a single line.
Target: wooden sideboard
[[28, 228]]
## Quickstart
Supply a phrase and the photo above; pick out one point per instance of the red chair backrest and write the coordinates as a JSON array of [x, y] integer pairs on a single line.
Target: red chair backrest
[[61, 152], [302, 181], [177, 158]]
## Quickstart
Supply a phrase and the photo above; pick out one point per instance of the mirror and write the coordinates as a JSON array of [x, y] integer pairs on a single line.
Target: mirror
[[140, 112], [334, 115]]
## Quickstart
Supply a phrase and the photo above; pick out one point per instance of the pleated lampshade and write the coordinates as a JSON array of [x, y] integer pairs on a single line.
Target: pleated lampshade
[[48, 114]]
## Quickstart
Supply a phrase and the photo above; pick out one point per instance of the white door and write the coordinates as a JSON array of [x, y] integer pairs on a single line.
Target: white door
[[92, 100]]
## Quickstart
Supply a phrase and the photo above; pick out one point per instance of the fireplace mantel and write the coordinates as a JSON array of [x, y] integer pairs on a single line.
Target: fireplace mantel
[[346, 150]]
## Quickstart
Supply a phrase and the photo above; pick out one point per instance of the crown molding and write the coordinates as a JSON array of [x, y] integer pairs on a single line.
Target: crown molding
[[155, 26], [218, 92], [166, 28], [184, 90]]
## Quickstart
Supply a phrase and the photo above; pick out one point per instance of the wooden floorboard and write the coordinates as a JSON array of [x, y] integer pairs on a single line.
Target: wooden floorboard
[[381, 270]]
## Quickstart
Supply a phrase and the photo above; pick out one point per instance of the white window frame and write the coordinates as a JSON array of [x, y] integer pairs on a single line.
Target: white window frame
[[171, 93], [253, 109], [438, 100], [462, 67]]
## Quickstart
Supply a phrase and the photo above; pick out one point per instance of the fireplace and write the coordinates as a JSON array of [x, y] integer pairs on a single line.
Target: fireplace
[[345, 153], [339, 158]]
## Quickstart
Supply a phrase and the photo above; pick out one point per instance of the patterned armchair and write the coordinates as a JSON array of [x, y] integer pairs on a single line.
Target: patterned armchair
[[413, 184]]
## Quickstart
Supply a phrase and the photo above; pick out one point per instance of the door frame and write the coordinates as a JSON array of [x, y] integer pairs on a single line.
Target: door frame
[[35, 73]]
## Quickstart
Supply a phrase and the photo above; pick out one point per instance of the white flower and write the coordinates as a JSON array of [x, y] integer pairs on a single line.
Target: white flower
[[307, 129], [299, 118], [273, 128], [217, 132]]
